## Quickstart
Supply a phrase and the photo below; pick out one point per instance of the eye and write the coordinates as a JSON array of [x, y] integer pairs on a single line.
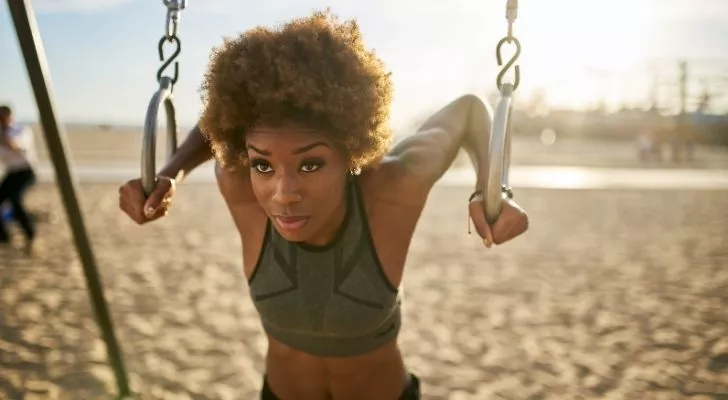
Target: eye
[[311, 165], [261, 166]]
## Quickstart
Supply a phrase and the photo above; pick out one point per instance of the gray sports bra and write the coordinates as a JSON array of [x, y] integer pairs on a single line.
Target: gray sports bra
[[330, 301]]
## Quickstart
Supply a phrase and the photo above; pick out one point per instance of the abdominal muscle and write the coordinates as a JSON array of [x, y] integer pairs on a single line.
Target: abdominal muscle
[[292, 374]]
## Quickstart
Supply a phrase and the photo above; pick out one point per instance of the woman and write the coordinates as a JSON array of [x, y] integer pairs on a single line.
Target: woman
[[296, 119]]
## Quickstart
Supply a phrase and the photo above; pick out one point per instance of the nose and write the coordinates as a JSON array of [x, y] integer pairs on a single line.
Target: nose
[[287, 190]]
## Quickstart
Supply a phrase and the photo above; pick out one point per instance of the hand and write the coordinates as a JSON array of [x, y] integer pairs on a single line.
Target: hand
[[141, 209], [511, 222]]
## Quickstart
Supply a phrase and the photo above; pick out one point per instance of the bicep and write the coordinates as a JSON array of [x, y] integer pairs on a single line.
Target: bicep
[[427, 154]]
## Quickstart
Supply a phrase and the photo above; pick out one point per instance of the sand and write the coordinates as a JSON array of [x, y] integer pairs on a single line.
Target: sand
[[611, 294]]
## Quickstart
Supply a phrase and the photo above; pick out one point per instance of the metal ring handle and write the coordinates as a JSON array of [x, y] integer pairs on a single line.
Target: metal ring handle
[[500, 154], [149, 140]]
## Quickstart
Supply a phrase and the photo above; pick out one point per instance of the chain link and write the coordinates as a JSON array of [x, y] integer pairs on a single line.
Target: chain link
[[174, 8]]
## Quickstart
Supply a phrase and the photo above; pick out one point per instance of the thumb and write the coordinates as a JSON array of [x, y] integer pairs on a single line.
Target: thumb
[[163, 190]]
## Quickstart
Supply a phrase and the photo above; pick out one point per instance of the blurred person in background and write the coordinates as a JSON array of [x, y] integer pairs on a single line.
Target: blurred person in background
[[17, 153]]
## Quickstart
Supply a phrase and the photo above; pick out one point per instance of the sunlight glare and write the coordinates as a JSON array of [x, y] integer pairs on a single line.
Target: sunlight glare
[[548, 136], [575, 50]]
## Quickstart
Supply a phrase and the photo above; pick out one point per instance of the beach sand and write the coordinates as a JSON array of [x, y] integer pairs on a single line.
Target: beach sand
[[610, 294]]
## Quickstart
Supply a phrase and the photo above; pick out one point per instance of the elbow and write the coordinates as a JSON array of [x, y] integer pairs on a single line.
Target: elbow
[[475, 105], [432, 150], [480, 122]]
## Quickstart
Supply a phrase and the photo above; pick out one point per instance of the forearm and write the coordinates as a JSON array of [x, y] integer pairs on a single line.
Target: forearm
[[194, 151], [8, 142]]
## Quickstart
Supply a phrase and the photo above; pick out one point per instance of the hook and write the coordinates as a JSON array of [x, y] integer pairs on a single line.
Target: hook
[[169, 61], [509, 64]]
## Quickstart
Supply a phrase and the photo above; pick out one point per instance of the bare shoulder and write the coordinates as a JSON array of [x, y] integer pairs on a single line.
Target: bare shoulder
[[247, 214], [234, 184], [237, 191]]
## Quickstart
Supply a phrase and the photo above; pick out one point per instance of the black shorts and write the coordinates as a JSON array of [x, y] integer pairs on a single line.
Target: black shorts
[[411, 392]]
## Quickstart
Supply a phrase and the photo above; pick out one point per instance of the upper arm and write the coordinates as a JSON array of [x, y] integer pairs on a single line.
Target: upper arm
[[237, 192], [427, 154]]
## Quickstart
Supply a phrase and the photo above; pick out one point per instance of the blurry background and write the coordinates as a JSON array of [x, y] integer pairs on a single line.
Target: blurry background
[[620, 155]]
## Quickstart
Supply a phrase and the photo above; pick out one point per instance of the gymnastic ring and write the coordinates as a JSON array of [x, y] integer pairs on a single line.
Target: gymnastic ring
[[149, 140], [500, 155]]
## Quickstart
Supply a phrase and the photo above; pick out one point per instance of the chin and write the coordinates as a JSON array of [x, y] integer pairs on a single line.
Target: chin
[[299, 234], [291, 237]]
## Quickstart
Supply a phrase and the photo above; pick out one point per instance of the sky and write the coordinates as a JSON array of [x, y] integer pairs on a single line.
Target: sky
[[102, 54]]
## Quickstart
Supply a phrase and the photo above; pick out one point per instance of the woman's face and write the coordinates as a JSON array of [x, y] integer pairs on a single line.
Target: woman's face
[[298, 176]]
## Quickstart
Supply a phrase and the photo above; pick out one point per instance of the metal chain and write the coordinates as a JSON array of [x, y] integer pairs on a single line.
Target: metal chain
[[511, 15], [174, 8]]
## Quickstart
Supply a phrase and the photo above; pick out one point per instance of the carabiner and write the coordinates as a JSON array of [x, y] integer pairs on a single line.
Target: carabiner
[[510, 63], [171, 59]]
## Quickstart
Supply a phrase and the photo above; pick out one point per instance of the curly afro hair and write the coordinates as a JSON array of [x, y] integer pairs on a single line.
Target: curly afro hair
[[312, 71]]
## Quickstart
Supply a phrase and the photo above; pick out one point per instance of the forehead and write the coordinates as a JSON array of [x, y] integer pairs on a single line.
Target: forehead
[[282, 138]]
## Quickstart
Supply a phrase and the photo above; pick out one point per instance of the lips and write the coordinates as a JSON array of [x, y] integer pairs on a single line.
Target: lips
[[290, 223]]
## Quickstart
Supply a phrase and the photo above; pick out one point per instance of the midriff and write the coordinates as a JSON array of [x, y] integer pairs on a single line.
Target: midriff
[[292, 374]]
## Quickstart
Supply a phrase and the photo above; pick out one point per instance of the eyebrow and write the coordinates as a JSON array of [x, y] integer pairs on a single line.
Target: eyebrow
[[257, 150], [308, 147], [299, 150]]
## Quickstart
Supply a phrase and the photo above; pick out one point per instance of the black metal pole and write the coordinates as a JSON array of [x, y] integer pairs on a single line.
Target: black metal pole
[[37, 67]]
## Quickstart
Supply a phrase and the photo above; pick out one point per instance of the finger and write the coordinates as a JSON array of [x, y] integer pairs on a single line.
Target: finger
[[512, 223], [134, 195], [477, 214], [130, 210], [162, 210], [488, 239], [503, 231], [161, 192]]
